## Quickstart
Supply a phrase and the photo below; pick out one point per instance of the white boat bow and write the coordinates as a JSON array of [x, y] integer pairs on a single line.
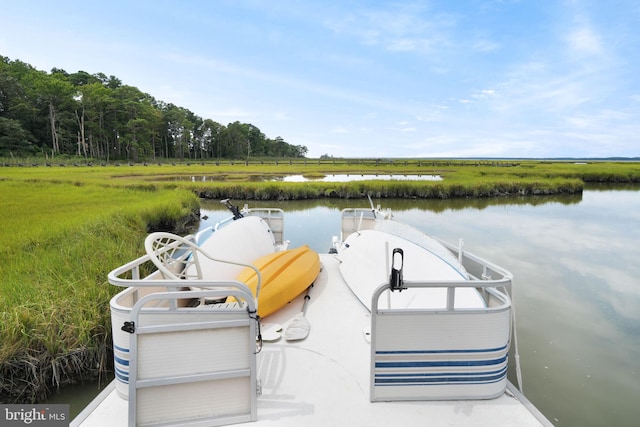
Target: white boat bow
[[366, 361]]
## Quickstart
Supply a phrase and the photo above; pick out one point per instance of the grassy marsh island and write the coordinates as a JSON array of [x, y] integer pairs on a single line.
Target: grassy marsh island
[[65, 227]]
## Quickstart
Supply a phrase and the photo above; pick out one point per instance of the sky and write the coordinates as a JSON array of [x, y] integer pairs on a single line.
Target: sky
[[379, 79]]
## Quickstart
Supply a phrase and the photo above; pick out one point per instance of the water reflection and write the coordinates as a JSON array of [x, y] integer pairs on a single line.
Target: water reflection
[[575, 262], [435, 205], [354, 177], [300, 178]]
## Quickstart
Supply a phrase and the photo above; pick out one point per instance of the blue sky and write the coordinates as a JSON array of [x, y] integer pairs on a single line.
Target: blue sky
[[443, 78]]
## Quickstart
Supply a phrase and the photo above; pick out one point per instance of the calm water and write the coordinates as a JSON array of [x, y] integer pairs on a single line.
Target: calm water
[[576, 262], [351, 178], [577, 286], [302, 178]]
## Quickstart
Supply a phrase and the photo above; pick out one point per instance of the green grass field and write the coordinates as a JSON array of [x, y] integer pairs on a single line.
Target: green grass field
[[59, 242], [242, 180]]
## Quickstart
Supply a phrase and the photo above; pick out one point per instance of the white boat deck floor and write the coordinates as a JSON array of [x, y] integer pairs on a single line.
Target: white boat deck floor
[[324, 379]]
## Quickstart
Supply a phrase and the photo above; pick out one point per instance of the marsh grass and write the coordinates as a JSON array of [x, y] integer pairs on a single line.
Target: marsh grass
[[59, 243], [473, 187], [468, 173], [461, 178]]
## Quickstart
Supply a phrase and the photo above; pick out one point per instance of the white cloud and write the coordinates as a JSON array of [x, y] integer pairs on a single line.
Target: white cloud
[[432, 113], [585, 41], [339, 130], [401, 27], [485, 45]]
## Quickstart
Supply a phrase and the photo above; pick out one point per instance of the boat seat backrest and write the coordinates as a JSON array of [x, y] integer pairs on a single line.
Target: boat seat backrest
[[180, 258]]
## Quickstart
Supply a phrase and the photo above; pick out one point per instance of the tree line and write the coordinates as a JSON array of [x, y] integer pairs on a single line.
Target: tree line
[[99, 117]]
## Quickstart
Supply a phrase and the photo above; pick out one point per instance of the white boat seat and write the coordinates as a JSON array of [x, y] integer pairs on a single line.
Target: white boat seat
[[180, 258]]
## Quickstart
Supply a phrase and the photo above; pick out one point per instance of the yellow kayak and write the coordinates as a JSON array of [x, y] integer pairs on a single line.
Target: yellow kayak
[[285, 275]]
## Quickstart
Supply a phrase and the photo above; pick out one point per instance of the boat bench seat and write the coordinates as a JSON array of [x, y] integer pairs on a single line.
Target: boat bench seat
[[439, 355], [191, 365]]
